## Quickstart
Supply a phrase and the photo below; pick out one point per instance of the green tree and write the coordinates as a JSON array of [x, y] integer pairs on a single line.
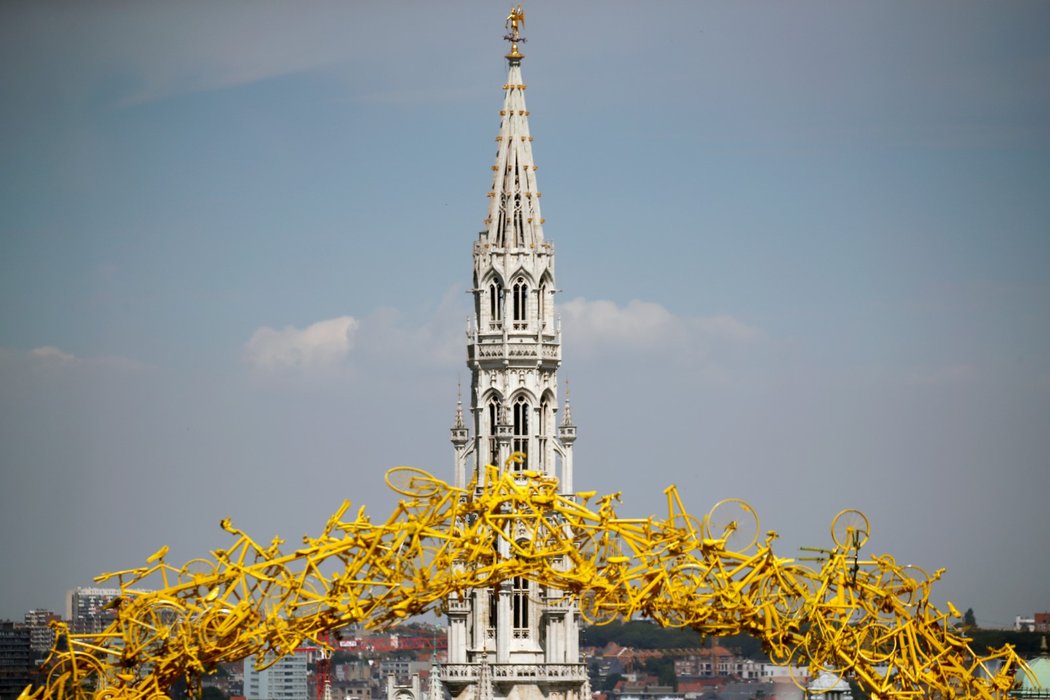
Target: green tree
[[643, 634], [969, 620], [341, 656], [663, 669], [640, 634], [1026, 644]]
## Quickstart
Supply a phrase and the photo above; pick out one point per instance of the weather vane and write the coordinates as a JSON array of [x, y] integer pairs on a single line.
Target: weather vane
[[514, 24]]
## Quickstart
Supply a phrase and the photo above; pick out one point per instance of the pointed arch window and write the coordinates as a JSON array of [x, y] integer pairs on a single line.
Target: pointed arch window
[[519, 222], [493, 608], [520, 303], [544, 432], [541, 306], [520, 440], [495, 305], [494, 416], [520, 606], [501, 222]]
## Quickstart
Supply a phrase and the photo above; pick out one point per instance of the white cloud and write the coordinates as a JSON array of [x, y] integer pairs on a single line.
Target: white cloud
[[383, 340], [386, 340], [593, 327], [49, 353], [51, 356], [437, 342], [321, 345]]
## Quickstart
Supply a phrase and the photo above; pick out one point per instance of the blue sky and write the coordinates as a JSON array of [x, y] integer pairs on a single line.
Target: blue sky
[[802, 248]]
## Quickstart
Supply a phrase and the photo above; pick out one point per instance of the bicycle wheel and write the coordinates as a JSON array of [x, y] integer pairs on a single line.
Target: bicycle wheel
[[412, 481], [683, 536], [782, 642], [598, 607], [600, 549], [200, 572], [787, 591], [850, 529], [72, 674], [692, 580], [151, 628], [876, 643], [734, 522], [217, 630], [904, 583], [672, 612], [480, 566], [542, 594]]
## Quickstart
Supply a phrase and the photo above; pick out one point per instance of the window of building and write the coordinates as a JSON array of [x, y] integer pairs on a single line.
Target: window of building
[[520, 440], [520, 303], [520, 605], [544, 432], [495, 304], [519, 226], [494, 416], [541, 306], [493, 607], [501, 221]]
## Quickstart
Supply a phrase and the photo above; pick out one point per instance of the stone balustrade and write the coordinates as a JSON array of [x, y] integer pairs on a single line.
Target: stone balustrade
[[532, 673]]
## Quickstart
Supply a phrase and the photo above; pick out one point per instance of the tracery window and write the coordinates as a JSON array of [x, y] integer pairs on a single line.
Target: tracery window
[[541, 306], [520, 605], [520, 440], [493, 607], [494, 415], [501, 222], [519, 226], [520, 303], [495, 304], [544, 432]]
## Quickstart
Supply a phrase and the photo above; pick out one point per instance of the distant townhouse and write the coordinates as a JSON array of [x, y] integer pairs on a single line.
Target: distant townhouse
[[717, 661]]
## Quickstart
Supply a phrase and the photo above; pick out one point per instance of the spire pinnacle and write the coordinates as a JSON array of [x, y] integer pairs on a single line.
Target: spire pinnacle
[[514, 23], [459, 407], [460, 435], [514, 219], [567, 430], [567, 418]]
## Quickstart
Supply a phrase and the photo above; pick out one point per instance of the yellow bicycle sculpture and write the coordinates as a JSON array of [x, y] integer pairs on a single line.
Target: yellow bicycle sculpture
[[870, 618]]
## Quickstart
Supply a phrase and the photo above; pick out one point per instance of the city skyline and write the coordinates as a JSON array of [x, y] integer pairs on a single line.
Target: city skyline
[[802, 249]]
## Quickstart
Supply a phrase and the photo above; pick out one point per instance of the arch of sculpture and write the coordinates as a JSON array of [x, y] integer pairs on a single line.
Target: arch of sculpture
[[870, 618]]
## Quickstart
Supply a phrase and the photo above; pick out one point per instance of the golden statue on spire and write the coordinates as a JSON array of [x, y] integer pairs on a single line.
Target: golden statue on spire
[[516, 17], [514, 23]]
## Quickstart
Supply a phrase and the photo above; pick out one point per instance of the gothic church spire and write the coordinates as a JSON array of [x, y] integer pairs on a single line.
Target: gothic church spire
[[514, 219], [511, 642]]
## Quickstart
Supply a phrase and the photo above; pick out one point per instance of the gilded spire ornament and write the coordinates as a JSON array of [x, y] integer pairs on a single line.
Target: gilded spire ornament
[[514, 23]]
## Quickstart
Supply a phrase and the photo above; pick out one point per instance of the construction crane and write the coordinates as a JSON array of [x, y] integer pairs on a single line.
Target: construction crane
[[323, 668]]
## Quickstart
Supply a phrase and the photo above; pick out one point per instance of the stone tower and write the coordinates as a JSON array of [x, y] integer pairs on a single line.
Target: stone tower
[[513, 640]]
